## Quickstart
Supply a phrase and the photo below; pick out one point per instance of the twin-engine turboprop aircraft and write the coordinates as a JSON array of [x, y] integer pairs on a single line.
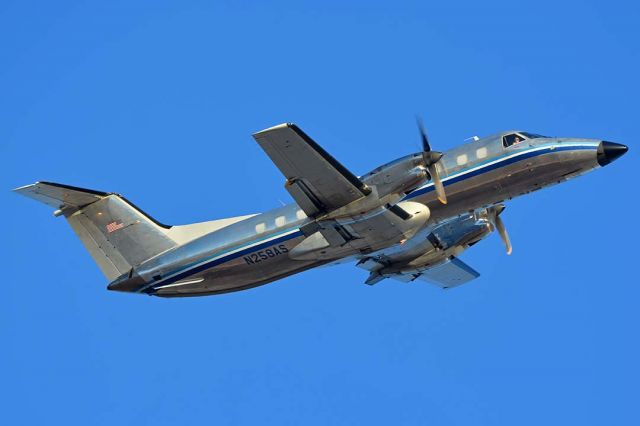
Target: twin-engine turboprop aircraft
[[407, 220]]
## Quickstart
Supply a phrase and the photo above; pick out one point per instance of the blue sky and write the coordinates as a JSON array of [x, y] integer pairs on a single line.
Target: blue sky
[[157, 101]]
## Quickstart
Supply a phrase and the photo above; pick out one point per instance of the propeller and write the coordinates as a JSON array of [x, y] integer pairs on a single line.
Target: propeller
[[498, 225], [430, 159]]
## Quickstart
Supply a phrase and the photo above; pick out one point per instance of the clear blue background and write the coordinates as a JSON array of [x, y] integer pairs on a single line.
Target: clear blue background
[[157, 101]]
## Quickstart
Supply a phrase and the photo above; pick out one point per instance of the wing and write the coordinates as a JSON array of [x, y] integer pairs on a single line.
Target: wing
[[315, 180], [451, 273]]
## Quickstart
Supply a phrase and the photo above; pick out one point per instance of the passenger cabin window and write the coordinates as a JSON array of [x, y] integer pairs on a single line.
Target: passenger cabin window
[[280, 221], [481, 152], [512, 139], [461, 159], [300, 214], [261, 227]]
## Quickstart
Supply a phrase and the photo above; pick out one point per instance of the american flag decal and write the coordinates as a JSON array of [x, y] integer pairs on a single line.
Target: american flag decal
[[113, 226]]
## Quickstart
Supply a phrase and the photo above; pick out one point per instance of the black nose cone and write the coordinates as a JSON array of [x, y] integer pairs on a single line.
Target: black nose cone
[[609, 151]]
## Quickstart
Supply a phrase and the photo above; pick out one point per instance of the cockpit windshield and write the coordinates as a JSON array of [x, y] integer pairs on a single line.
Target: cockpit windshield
[[516, 138], [512, 139], [532, 135]]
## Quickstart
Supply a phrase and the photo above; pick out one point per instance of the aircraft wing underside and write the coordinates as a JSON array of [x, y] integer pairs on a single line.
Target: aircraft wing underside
[[451, 273], [316, 181]]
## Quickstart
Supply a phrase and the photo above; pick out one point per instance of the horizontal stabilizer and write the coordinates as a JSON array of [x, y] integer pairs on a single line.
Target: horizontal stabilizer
[[58, 195]]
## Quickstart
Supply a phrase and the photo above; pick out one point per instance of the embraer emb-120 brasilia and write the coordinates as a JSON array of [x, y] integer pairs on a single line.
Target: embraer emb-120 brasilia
[[407, 220]]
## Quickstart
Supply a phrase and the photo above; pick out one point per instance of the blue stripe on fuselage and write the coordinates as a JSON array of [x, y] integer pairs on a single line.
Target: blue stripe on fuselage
[[221, 260], [501, 162]]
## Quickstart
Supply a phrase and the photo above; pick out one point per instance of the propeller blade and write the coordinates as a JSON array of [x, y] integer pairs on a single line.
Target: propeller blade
[[437, 183], [430, 159], [426, 147], [502, 230]]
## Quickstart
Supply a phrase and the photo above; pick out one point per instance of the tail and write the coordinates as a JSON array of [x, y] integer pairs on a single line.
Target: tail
[[117, 234]]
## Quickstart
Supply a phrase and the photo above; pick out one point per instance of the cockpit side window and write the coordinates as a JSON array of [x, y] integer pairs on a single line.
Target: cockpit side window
[[512, 139]]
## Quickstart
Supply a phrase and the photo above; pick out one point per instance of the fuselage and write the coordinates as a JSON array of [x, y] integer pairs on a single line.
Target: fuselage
[[255, 251]]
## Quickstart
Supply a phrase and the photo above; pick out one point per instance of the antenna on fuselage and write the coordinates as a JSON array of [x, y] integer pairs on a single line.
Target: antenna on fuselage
[[475, 139]]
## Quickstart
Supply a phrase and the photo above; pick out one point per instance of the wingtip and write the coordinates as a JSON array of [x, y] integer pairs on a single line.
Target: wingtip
[[272, 128], [21, 188]]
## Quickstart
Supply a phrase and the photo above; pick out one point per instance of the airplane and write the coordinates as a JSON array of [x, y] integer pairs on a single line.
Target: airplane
[[407, 220]]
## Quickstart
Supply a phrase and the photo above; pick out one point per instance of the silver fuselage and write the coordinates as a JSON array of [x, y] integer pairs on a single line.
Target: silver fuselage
[[254, 251]]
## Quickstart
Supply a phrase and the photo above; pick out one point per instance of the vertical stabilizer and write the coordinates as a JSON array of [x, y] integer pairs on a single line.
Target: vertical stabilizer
[[117, 234]]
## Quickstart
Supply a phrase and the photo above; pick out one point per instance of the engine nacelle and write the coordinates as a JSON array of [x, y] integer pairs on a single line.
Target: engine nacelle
[[373, 221], [436, 245], [398, 177]]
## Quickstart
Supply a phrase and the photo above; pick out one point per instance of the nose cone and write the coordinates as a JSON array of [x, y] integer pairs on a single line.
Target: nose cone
[[609, 151]]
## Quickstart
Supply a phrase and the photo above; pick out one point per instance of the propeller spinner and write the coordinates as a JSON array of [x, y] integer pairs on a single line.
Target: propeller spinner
[[430, 159]]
